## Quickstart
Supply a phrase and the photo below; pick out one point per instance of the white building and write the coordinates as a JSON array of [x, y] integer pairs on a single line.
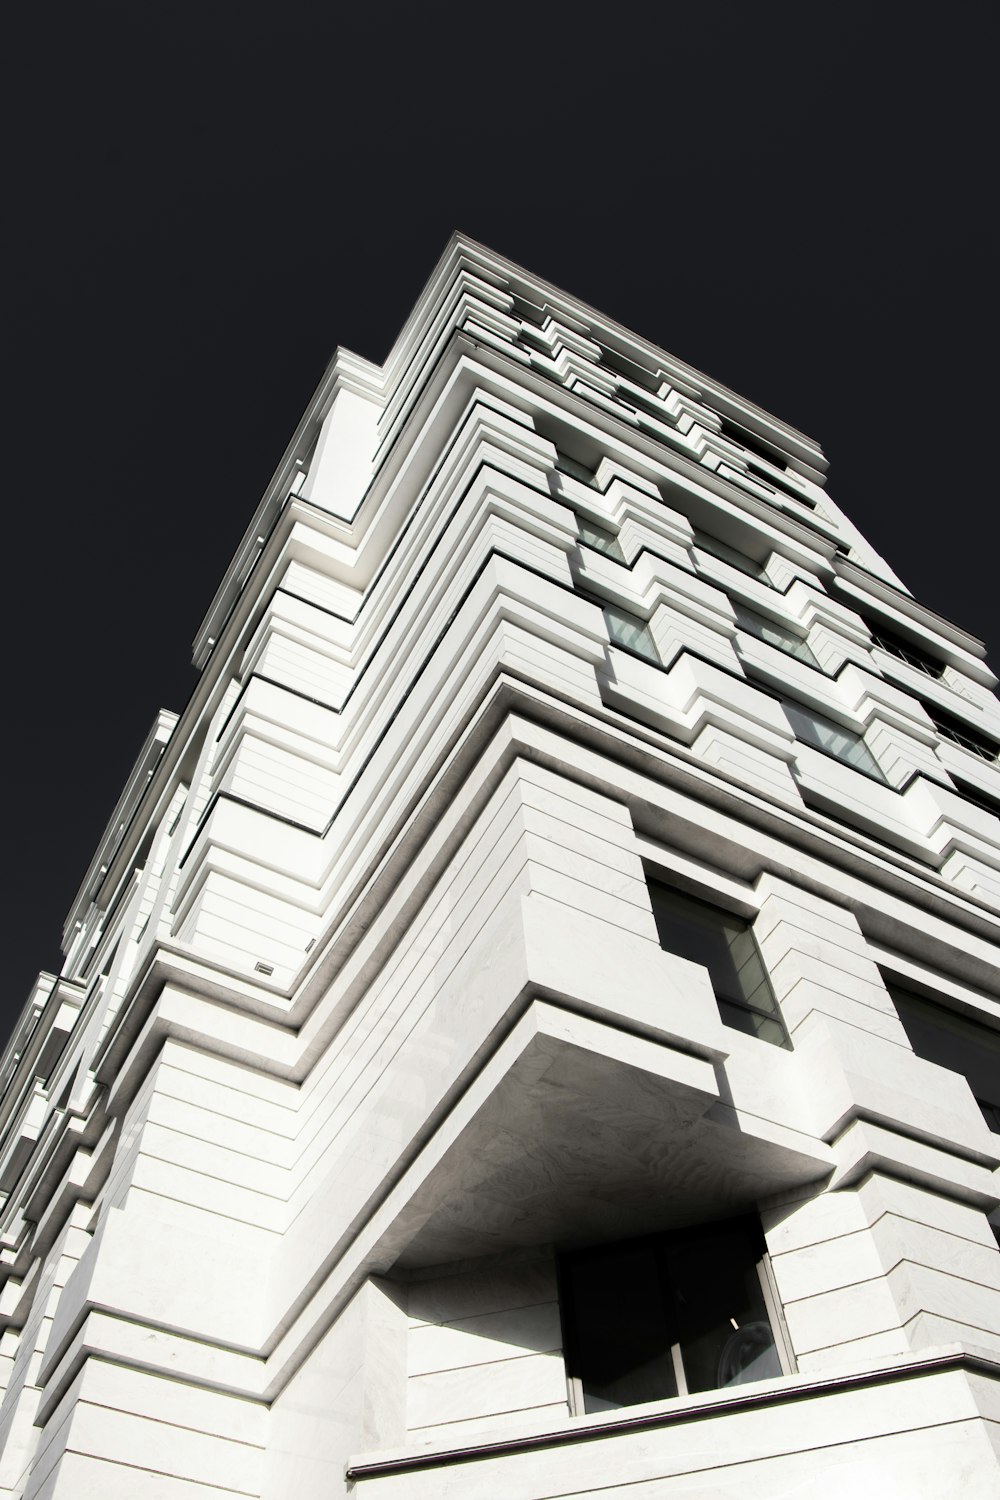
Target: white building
[[531, 1026]]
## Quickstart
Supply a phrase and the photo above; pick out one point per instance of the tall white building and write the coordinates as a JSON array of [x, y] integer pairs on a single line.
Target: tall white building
[[532, 1025]]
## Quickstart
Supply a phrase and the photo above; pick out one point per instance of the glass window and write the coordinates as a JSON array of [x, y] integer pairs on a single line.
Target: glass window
[[723, 944], [668, 1315], [777, 483], [976, 795], [736, 559], [823, 734], [573, 467], [942, 1036], [600, 538], [629, 631], [962, 734], [914, 656], [773, 633]]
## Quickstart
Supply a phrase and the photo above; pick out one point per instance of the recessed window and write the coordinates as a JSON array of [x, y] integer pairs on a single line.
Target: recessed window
[[723, 944], [630, 631], [777, 483], [942, 1036], [731, 555], [622, 365], [833, 739], [774, 634], [669, 1315], [532, 340], [914, 656], [760, 447], [962, 734], [976, 795], [575, 469], [600, 539], [647, 406]]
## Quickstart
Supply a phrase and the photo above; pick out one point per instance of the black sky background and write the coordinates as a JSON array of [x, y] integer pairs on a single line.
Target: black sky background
[[204, 200]]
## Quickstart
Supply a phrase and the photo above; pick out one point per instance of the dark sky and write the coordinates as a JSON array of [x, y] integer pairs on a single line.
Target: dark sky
[[204, 200]]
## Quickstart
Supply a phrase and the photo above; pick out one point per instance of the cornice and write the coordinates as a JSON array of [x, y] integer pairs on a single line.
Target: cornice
[[590, 320], [464, 257]]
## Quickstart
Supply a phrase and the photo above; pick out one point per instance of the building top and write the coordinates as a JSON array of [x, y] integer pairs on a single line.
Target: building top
[[482, 316], [474, 291]]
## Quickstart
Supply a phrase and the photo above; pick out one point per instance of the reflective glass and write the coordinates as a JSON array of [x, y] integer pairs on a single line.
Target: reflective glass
[[774, 634], [628, 630], [600, 540], [942, 1036], [723, 944], [813, 729], [669, 1315], [623, 1326]]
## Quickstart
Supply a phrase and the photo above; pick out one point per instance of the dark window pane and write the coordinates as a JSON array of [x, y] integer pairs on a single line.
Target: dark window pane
[[638, 1313], [954, 1041], [600, 539], [723, 1327], [628, 630], [962, 734], [906, 651], [621, 1329], [723, 944], [765, 1028], [701, 933]]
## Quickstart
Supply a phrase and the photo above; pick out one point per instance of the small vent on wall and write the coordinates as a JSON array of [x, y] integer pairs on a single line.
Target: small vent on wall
[[263, 968]]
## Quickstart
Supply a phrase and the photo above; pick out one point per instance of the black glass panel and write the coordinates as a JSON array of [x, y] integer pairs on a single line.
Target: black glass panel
[[636, 1312], [723, 1328], [723, 944], [622, 1327], [953, 1041]]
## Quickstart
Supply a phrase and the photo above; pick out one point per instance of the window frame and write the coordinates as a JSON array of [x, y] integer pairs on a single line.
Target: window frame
[[571, 1320], [650, 655], [726, 1002], [955, 732], [963, 1028], [601, 539], [798, 647], [874, 772], [725, 552], [885, 639]]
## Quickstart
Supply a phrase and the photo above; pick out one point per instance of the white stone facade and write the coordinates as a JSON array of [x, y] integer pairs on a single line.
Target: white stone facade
[[367, 1024]]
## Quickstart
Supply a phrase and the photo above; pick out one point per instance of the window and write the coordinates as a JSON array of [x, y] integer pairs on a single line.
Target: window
[[668, 1315], [532, 340], [773, 633], [777, 483], [914, 656], [962, 734], [723, 944], [731, 555], [976, 795], [600, 539], [953, 1041], [629, 631], [647, 405], [575, 469], [760, 447], [833, 739]]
